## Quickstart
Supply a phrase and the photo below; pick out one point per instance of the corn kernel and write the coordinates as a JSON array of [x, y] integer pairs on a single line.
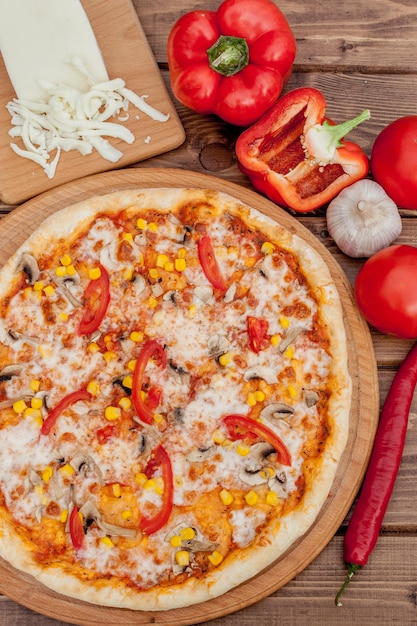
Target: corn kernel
[[259, 396], [275, 340], [63, 516], [215, 557], [19, 406], [182, 557], [175, 541], [117, 492], [106, 542], [150, 483], [284, 321], [63, 316], [93, 347], [36, 403], [272, 498], [161, 260], [270, 472], [35, 385], [242, 450], [127, 273], [127, 382], [289, 352], [153, 272], [71, 271], [44, 351], [192, 310], [292, 391], [38, 286], [153, 227], [67, 469], [39, 490], [141, 223], [93, 387], [251, 400], [65, 260], [136, 336], [152, 303], [127, 237], [182, 253], [169, 267], [250, 261], [251, 498], [187, 533], [218, 436], [127, 515], [225, 359], [33, 413], [131, 365], [267, 247], [125, 403], [49, 291], [180, 265], [226, 497], [61, 270], [94, 273], [141, 479], [109, 356], [47, 474], [112, 413]]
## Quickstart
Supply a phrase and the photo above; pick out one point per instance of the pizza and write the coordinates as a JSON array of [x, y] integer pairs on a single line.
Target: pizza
[[174, 397]]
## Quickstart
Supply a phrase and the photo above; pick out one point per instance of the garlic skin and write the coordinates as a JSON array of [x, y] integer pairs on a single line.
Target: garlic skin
[[363, 219]]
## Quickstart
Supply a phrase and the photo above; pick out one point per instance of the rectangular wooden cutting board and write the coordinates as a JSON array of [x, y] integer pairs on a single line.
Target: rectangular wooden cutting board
[[127, 55]]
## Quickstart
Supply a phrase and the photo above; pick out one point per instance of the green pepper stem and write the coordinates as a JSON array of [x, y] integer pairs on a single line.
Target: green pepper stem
[[321, 141], [228, 55], [339, 131], [352, 569]]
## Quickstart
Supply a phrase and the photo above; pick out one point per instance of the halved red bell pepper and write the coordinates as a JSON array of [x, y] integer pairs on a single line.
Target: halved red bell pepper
[[239, 425], [232, 62], [97, 298], [298, 158], [257, 328], [209, 263], [159, 459], [152, 348], [81, 395]]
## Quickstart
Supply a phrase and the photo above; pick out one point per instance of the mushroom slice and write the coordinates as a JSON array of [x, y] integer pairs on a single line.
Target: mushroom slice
[[179, 374], [203, 293], [290, 336], [261, 371], [277, 410], [90, 513], [9, 371], [278, 484], [311, 397], [29, 265], [252, 471], [63, 282], [229, 296], [217, 345], [16, 336], [84, 461], [27, 395], [200, 454]]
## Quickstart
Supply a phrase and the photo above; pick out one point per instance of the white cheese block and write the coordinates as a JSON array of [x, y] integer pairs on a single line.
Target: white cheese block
[[39, 37]]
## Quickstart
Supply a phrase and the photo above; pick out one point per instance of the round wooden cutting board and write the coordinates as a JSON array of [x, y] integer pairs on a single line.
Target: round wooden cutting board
[[21, 222]]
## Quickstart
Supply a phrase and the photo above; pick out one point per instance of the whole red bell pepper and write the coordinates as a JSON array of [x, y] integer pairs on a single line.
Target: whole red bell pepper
[[297, 157], [232, 62]]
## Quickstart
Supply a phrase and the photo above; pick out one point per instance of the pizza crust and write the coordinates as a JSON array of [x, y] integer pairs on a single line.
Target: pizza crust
[[276, 540]]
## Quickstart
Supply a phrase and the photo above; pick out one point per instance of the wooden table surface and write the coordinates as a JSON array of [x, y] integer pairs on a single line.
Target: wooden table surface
[[360, 55]]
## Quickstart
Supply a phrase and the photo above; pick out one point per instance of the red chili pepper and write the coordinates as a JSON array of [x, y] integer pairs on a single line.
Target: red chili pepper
[[364, 526], [209, 263], [97, 298], [232, 62], [296, 157], [73, 397], [76, 529], [152, 348], [236, 424], [258, 333], [159, 459]]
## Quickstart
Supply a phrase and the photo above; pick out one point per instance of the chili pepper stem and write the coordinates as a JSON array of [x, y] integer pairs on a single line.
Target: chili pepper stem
[[352, 569], [321, 141]]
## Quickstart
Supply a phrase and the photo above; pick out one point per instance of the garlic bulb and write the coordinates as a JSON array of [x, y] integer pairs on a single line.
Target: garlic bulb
[[363, 219]]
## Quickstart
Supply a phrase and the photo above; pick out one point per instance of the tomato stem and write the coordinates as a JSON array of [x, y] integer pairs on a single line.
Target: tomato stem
[[228, 55], [352, 569]]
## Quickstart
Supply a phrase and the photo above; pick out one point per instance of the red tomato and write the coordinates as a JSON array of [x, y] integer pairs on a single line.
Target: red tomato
[[386, 291], [394, 161]]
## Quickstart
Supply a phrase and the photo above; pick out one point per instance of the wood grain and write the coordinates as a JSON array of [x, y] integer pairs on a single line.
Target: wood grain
[[127, 55], [17, 226]]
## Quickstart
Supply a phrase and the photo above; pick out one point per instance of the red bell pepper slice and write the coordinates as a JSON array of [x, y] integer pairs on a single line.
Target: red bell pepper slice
[[159, 459], [104, 434], [152, 348], [76, 529], [239, 425], [258, 333], [296, 157], [82, 395], [97, 298], [209, 263]]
